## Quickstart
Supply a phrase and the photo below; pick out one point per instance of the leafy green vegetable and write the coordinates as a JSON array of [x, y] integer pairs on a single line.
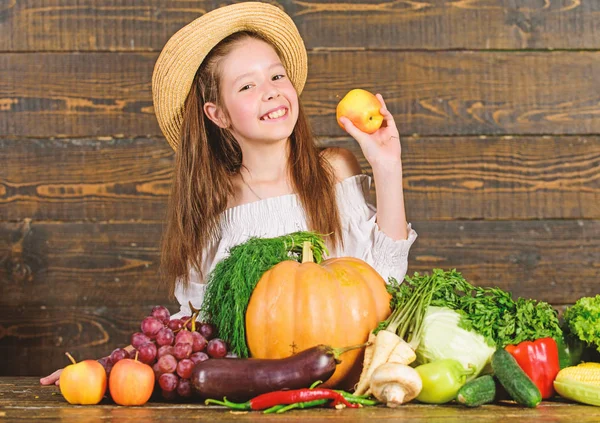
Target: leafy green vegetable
[[434, 332], [489, 311], [233, 279], [443, 338], [583, 320]]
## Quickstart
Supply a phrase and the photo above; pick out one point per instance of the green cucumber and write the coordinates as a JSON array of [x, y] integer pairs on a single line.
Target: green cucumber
[[516, 382], [478, 392]]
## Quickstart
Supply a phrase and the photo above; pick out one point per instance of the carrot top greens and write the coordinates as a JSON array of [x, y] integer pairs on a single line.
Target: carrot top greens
[[490, 312]]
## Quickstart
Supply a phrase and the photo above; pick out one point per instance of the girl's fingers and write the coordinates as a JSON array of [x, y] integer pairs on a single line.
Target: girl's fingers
[[350, 128], [383, 105], [387, 116], [54, 378], [384, 110]]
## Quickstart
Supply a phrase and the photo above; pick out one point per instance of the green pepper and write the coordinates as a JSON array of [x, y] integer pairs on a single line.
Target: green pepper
[[442, 379], [570, 350]]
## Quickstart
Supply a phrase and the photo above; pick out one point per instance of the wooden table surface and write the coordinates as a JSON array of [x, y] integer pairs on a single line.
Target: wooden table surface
[[23, 399]]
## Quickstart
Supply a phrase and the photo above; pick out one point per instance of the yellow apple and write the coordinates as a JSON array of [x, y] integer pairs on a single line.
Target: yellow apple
[[83, 382], [362, 108]]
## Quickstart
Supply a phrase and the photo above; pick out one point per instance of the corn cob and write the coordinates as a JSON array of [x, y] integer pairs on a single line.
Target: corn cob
[[580, 383]]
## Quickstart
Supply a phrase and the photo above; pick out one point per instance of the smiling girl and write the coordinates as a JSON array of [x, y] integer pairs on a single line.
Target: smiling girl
[[247, 164], [225, 91]]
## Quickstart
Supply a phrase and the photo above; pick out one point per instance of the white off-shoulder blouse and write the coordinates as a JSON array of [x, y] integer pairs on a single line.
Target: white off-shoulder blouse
[[281, 215]]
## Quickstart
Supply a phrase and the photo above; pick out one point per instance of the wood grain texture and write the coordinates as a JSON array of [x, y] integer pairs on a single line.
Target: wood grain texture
[[61, 94], [145, 25], [441, 93], [83, 264], [99, 264], [445, 178], [85, 179], [503, 178]]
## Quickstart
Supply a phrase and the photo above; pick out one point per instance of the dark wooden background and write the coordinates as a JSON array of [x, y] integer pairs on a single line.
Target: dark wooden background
[[497, 101]]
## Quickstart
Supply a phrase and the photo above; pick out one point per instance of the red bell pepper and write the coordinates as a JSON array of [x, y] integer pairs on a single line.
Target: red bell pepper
[[539, 360]]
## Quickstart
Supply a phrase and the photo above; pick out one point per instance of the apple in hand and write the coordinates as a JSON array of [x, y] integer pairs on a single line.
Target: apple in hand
[[362, 108], [83, 382], [131, 382]]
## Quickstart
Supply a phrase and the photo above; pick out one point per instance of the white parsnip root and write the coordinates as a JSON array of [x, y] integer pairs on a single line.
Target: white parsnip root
[[391, 347], [367, 358], [387, 347], [402, 353], [385, 341]]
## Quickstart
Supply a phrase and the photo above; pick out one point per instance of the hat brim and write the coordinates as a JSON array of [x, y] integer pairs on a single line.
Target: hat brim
[[185, 51]]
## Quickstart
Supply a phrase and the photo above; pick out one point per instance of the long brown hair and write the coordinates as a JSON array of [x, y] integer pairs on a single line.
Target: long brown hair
[[208, 156]]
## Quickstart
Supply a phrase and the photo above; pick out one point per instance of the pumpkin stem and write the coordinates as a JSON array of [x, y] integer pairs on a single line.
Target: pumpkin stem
[[307, 254]]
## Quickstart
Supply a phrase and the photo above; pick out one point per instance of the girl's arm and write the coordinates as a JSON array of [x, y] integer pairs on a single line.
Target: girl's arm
[[383, 152], [391, 215]]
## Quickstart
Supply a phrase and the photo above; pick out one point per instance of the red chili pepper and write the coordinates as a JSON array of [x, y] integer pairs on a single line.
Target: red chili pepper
[[268, 400], [539, 360]]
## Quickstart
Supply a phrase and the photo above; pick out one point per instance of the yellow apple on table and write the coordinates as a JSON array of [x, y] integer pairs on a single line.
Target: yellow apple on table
[[362, 108], [84, 382]]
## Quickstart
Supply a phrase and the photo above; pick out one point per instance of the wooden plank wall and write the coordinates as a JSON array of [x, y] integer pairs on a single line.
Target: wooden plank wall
[[498, 103]]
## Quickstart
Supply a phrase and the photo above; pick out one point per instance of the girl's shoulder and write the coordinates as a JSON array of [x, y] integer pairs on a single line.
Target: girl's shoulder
[[343, 162]]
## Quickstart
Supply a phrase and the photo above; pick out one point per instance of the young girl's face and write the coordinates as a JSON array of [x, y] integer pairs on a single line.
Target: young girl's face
[[260, 100]]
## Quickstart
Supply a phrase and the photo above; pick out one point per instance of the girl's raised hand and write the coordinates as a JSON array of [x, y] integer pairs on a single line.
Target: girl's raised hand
[[381, 148]]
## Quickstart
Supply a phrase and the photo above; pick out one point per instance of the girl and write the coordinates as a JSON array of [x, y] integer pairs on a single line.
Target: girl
[[226, 97]]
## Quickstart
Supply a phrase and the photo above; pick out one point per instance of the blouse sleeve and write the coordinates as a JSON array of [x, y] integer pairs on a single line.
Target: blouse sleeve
[[363, 238]]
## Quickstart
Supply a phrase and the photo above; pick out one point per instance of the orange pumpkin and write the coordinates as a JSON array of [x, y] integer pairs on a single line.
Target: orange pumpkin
[[296, 306]]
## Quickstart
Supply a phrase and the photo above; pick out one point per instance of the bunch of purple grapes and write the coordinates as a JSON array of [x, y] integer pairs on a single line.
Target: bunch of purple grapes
[[172, 348]]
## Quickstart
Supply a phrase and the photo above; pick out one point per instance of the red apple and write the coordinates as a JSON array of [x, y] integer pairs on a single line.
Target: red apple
[[362, 108], [83, 382], [131, 382]]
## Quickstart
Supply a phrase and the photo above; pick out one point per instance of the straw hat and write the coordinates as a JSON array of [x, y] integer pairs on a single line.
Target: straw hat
[[182, 55]]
